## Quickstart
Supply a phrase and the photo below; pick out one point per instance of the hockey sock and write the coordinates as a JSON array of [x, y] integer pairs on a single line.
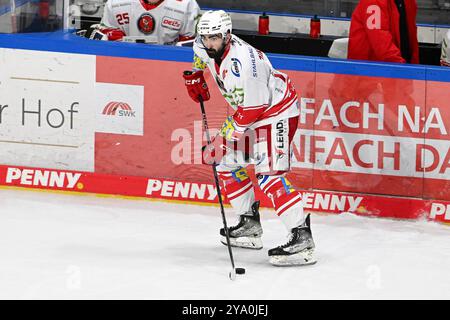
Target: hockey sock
[[285, 199], [238, 188]]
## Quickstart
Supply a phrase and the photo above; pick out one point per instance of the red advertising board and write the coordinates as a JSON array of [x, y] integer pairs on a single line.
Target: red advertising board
[[371, 145], [197, 192]]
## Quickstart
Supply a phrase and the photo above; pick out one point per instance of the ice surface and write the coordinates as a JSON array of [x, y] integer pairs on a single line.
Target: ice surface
[[62, 246]]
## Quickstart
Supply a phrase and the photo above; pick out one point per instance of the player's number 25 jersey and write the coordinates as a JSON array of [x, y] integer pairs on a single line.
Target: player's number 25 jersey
[[167, 21]]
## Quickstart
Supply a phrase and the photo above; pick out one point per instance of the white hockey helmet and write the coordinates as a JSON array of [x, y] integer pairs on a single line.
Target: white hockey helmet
[[214, 22]]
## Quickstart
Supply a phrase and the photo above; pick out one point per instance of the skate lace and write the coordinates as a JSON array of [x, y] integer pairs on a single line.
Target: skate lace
[[297, 235], [291, 237], [240, 223]]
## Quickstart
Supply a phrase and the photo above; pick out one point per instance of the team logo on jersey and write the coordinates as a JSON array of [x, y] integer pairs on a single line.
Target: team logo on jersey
[[236, 67], [171, 23], [146, 23]]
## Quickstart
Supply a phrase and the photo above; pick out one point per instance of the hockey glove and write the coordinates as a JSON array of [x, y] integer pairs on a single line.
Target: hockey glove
[[99, 32], [196, 85]]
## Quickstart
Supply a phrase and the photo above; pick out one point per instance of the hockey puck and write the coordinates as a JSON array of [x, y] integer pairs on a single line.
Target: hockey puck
[[240, 271]]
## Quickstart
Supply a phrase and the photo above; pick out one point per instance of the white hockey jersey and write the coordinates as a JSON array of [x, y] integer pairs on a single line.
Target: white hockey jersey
[[260, 94], [167, 21], [445, 53]]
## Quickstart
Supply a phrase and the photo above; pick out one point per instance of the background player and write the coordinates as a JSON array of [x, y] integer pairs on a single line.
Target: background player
[[169, 21], [266, 112]]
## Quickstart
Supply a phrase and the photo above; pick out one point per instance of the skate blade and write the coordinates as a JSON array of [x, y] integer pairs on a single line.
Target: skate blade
[[303, 258], [244, 242]]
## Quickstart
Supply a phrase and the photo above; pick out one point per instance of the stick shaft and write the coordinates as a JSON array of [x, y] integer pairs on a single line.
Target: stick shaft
[[216, 180]]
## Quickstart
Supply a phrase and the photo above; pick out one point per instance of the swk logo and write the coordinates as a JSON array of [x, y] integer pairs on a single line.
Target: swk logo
[[121, 109]]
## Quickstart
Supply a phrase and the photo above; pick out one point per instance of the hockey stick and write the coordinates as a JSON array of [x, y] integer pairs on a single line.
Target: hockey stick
[[234, 270]]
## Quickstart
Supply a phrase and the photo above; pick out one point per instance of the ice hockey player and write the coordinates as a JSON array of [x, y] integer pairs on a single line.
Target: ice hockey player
[[445, 53], [169, 21], [267, 114]]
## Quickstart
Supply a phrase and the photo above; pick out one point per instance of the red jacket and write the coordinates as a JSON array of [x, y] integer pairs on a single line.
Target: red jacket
[[375, 33]]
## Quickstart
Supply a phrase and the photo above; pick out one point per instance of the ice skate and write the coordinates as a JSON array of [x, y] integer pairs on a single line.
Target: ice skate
[[247, 233], [299, 250]]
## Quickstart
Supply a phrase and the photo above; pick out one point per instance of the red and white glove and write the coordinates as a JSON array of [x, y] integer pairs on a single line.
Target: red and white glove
[[99, 32], [114, 34], [196, 85], [215, 151]]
